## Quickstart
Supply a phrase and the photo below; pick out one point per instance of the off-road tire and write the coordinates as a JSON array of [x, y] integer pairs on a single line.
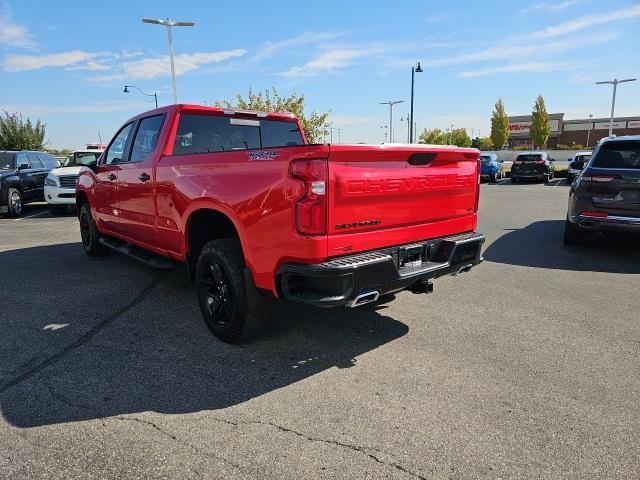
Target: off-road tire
[[89, 234], [222, 294]]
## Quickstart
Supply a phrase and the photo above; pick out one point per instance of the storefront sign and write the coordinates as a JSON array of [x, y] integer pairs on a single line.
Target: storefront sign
[[525, 127], [605, 125], [633, 124]]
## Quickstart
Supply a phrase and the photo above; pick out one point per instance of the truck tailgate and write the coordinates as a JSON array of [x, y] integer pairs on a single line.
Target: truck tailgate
[[392, 194]]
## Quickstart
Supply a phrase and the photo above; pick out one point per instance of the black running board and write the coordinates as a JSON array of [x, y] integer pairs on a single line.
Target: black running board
[[137, 253]]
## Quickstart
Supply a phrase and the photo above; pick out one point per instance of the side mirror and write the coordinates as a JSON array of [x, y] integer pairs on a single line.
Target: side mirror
[[23, 166]]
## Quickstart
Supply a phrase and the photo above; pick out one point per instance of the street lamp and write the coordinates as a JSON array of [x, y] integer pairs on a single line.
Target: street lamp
[[414, 70], [391, 104], [170, 24], [615, 83], [589, 129], [154, 94], [451, 133]]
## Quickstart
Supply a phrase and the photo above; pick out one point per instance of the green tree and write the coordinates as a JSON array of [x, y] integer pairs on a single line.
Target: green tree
[[460, 137], [540, 127], [313, 124], [17, 134], [485, 143], [499, 125], [434, 136], [482, 143]]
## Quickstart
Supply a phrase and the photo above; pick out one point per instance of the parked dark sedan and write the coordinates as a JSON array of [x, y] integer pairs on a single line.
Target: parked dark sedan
[[22, 177], [606, 195], [532, 166]]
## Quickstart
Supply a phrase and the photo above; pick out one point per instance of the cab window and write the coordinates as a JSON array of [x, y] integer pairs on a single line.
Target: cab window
[[117, 150], [146, 138], [209, 133]]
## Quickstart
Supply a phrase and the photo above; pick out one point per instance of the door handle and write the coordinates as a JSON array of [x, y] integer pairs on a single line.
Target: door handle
[[111, 176], [143, 177]]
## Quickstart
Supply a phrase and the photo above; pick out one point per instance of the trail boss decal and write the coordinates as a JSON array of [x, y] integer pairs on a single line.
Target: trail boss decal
[[362, 223], [263, 155]]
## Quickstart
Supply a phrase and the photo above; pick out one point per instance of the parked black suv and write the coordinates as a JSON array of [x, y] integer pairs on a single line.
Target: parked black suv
[[22, 177], [533, 165], [606, 195]]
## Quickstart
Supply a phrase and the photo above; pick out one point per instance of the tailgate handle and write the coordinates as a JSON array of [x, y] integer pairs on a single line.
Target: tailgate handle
[[421, 158]]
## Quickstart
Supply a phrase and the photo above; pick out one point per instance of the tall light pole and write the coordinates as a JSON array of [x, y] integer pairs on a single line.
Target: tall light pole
[[391, 104], [615, 83], [589, 129], [386, 132], [154, 94], [451, 133], [170, 24], [414, 70]]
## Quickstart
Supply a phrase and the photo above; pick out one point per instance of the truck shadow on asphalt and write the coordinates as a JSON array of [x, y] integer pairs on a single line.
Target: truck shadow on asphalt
[[540, 245], [107, 337]]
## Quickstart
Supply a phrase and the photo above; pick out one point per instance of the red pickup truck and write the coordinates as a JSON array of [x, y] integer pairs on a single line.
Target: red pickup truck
[[257, 213]]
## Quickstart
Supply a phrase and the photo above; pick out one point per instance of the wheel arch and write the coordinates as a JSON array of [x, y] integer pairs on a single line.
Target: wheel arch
[[208, 222]]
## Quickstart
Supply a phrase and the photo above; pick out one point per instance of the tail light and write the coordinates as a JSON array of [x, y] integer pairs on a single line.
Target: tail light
[[594, 214], [477, 202], [311, 208], [599, 178], [540, 162]]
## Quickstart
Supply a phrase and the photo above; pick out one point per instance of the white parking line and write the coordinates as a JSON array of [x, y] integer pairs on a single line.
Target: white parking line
[[503, 180], [31, 216]]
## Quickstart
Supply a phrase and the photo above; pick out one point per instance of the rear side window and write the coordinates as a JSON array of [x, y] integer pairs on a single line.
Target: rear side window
[[207, 133], [620, 154], [34, 160], [48, 160], [6, 161], [146, 138]]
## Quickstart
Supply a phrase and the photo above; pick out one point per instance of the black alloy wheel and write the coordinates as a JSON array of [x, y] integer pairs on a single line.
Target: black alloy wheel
[[89, 234], [218, 294]]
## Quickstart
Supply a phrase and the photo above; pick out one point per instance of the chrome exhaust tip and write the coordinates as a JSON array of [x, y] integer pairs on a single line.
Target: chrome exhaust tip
[[364, 298], [464, 268], [588, 224]]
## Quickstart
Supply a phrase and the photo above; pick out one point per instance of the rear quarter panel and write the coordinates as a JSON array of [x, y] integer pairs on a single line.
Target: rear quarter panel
[[257, 195]]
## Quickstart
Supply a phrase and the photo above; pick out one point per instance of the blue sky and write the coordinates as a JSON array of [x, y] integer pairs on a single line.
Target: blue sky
[[67, 62]]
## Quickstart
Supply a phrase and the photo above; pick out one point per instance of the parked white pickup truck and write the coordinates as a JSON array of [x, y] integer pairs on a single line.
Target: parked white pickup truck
[[60, 184]]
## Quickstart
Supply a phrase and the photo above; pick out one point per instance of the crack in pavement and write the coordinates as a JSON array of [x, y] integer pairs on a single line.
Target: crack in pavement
[[87, 336], [349, 446], [182, 442]]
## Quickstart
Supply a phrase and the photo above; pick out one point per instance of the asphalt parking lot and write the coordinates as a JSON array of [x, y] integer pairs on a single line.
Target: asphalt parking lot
[[526, 367]]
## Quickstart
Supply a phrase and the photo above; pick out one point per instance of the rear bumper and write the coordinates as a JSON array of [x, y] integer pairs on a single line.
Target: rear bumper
[[342, 280], [613, 223]]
